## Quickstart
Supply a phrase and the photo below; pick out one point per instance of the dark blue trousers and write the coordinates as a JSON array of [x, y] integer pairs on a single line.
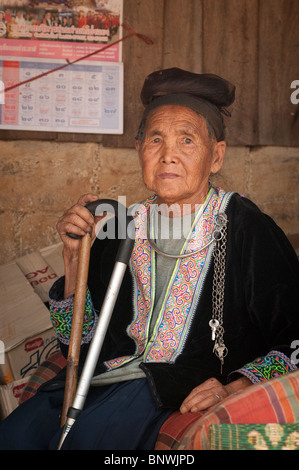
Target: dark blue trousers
[[117, 417]]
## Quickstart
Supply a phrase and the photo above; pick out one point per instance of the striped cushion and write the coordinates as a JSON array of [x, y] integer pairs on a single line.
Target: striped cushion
[[46, 371], [274, 401], [271, 436]]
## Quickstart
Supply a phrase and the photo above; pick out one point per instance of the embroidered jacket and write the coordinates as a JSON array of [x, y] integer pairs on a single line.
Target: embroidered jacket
[[259, 305]]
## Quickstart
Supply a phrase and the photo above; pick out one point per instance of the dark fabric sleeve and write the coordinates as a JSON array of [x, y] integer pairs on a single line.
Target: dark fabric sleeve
[[270, 274]]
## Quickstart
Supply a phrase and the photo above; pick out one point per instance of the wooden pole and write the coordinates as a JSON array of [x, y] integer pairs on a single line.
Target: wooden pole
[[77, 325]]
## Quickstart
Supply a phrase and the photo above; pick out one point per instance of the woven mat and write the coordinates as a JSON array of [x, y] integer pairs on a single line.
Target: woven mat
[[254, 436]]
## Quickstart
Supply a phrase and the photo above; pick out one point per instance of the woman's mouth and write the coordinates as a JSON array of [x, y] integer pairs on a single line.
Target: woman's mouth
[[168, 175]]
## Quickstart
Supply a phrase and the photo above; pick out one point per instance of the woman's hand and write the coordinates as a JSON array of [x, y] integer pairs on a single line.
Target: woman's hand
[[79, 221], [211, 392]]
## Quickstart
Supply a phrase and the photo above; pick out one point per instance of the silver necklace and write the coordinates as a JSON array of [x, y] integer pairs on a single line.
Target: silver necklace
[[217, 234]]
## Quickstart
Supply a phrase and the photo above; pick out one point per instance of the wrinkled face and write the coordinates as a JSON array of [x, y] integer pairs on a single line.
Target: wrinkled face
[[177, 155]]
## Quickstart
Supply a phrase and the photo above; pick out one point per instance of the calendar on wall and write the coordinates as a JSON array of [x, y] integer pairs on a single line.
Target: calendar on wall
[[86, 97], [60, 66]]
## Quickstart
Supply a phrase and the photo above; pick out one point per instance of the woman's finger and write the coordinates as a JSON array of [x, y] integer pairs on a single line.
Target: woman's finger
[[204, 396]]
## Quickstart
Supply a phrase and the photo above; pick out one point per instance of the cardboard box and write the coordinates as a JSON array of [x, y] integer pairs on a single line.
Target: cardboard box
[[10, 395], [27, 337], [42, 268]]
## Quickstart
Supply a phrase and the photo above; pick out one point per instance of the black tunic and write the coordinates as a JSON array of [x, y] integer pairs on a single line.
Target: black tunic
[[260, 306]]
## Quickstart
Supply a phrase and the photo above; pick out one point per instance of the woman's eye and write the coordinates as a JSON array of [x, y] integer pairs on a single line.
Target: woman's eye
[[156, 140], [187, 140]]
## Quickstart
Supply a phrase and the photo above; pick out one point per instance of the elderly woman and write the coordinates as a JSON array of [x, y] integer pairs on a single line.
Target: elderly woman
[[208, 305]]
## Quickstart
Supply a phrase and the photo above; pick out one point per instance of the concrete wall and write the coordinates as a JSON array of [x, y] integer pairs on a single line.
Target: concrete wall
[[39, 180]]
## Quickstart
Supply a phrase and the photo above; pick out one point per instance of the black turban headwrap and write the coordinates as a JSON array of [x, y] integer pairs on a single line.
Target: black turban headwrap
[[207, 94]]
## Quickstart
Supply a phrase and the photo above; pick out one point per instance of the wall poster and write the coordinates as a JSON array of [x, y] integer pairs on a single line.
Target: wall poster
[[38, 36]]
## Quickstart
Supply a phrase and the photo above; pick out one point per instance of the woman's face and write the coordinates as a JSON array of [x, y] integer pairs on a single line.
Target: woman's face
[[177, 155]]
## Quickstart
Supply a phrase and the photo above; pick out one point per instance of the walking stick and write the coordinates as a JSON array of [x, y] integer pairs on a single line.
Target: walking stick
[[77, 325], [127, 235]]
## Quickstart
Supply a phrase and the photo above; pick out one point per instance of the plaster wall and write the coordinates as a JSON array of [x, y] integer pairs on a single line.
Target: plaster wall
[[40, 180]]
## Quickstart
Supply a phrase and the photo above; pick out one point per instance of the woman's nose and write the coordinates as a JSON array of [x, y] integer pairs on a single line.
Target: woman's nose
[[169, 152]]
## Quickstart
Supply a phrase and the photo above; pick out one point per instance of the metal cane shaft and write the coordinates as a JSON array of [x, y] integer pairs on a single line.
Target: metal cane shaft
[[99, 336], [122, 260], [95, 347]]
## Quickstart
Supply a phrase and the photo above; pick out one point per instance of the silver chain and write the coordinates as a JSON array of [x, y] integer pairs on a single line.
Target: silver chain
[[216, 323]]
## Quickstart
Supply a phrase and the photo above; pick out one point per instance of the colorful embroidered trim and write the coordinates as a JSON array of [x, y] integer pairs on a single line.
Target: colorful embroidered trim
[[118, 362], [186, 285], [267, 367], [61, 313], [183, 291]]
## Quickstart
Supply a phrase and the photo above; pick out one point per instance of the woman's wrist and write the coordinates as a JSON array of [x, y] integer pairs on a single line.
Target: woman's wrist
[[236, 385], [70, 267]]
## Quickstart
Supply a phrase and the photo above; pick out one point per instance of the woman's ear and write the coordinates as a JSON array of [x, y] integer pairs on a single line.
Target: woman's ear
[[137, 145], [218, 155]]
